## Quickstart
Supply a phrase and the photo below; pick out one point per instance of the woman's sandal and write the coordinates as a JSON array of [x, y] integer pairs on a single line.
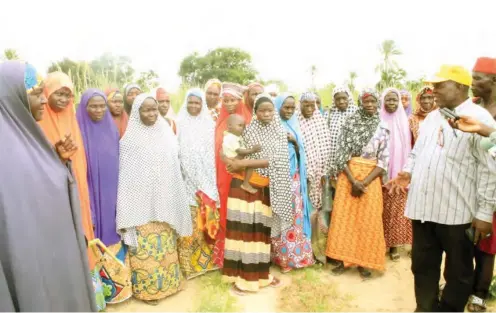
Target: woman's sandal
[[338, 270], [151, 302], [237, 291], [476, 304], [364, 273], [286, 270], [394, 255], [276, 283]]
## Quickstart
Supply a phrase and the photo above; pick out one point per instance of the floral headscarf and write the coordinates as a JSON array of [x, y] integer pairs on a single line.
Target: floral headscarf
[[356, 133], [420, 114]]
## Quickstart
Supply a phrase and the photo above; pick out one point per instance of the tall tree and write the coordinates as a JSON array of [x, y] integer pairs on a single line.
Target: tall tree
[[226, 64], [10, 54], [391, 75], [313, 74], [351, 81]]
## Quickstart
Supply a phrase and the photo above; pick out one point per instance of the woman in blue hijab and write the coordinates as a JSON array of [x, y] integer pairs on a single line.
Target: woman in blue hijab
[[293, 249]]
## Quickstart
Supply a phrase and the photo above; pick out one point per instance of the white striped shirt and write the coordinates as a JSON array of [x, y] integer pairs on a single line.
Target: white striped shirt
[[455, 180]]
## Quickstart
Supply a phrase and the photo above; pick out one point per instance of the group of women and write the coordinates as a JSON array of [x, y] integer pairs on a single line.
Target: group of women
[[123, 176]]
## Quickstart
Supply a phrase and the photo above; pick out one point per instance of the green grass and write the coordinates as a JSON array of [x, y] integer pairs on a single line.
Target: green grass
[[311, 291], [214, 295]]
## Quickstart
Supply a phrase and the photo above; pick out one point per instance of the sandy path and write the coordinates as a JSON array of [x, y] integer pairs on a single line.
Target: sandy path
[[392, 291]]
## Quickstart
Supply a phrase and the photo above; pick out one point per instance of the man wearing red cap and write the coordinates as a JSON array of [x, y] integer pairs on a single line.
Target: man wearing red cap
[[484, 83], [484, 87]]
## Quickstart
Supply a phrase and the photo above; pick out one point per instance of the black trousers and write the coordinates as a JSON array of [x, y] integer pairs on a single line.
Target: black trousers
[[484, 266], [430, 240]]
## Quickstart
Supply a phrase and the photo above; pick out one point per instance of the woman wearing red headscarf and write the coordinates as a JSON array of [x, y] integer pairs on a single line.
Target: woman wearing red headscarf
[[232, 103], [252, 91], [425, 105]]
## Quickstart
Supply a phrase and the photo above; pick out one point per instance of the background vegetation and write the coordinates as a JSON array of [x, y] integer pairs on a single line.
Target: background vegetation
[[226, 64]]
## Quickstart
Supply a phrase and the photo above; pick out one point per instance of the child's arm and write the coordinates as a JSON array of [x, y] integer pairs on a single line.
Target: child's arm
[[244, 152]]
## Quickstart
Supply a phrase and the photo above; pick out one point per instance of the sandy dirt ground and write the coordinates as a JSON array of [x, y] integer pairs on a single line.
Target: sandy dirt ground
[[391, 291]]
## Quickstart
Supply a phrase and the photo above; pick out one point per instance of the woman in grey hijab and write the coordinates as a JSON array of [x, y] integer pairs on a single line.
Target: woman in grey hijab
[[43, 261]]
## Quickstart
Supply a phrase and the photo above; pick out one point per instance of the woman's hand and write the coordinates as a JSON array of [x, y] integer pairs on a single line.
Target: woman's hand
[[358, 189], [66, 148], [234, 166], [292, 139]]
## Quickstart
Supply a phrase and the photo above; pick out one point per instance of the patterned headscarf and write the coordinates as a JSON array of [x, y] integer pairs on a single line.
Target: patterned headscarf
[[32, 78], [148, 190], [357, 131], [317, 142], [407, 93], [274, 141], [308, 95], [420, 114], [233, 89], [195, 135], [400, 139], [336, 118]]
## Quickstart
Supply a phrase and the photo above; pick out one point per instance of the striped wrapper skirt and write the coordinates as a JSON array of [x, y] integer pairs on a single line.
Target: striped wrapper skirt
[[247, 244]]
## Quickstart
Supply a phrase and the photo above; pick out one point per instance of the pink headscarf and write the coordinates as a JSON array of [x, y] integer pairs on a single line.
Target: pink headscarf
[[400, 137]]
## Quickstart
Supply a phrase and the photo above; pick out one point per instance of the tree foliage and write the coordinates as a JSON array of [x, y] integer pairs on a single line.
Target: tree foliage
[[391, 75], [226, 64], [116, 68], [10, 54]]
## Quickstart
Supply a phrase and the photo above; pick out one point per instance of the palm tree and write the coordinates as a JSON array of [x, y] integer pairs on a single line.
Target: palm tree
[[388, 50], [351, 81], [313, 73], [10, 54]]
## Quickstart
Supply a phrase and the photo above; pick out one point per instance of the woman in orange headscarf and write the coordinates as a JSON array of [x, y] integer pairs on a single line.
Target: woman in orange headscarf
[[232, 103], [115, 102], [59, 124]]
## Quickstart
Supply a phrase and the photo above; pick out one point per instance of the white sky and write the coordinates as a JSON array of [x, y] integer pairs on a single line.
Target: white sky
[[284, 37]]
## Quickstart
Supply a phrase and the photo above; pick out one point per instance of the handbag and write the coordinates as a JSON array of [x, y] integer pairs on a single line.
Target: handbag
[[114, 270]]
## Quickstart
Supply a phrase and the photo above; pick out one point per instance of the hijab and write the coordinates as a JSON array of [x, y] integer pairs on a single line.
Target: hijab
[[101, 143], [358, 130], [196, 149], [127, 89], [297, 161], [121, 120], [336, 118], [408, 110], [399, 134], [420, 114], [43, 262], [316, 138], [58, 124], [151, 187], [273, 139]]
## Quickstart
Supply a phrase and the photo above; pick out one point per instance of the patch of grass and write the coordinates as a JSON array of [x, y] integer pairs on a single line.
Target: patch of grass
[[311, 291], [214, 295]]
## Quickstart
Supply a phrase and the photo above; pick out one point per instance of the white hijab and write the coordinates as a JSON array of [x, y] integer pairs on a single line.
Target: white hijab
[[151, 187], [196, 137]]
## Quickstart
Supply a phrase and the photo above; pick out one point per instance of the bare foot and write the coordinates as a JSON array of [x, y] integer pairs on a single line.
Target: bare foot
[[248, 188]]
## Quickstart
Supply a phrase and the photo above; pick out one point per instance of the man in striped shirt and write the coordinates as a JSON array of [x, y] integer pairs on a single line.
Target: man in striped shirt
[[452, 188]]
